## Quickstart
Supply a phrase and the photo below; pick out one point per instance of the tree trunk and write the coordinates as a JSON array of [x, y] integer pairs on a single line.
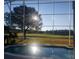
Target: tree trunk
[[24, 34]]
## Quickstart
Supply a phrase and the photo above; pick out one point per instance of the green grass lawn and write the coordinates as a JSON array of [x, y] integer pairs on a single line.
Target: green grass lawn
[[59, 40], [47, 36]]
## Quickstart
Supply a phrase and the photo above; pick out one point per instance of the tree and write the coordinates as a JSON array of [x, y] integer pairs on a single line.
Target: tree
[[6, 19], [26, 18]]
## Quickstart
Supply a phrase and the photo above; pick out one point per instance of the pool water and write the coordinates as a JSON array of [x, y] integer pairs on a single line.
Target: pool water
[[42, 51]]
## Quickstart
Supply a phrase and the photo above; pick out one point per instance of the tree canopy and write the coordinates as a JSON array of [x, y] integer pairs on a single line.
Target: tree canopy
[[25, 18]]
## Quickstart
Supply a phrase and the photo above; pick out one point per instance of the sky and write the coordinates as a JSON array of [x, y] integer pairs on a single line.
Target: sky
[[61, 19]]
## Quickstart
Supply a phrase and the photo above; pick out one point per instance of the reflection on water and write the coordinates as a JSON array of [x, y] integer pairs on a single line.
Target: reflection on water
[[53, 52]]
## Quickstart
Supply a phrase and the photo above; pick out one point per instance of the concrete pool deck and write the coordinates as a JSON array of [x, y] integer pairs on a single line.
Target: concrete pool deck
[[51, 42], [69, 43]]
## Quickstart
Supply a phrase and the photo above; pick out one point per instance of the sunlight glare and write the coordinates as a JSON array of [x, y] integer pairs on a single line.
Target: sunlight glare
[[35, 17], [34, 49]]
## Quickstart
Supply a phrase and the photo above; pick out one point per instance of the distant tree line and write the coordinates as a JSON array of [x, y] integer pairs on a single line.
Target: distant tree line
[[55, 32], [61, 32]]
